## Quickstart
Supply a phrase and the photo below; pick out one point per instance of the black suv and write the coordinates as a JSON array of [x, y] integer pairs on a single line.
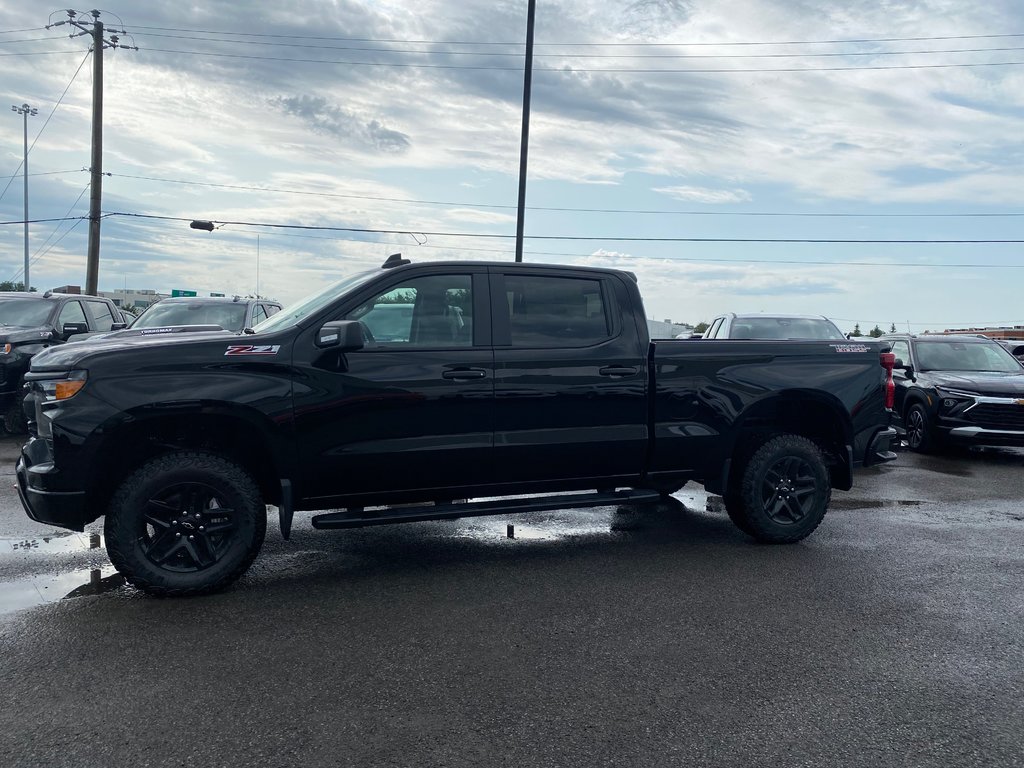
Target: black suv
[[31, 322], [966, 389]]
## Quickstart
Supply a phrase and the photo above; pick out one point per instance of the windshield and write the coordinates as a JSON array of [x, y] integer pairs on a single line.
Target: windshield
[[229, 316], [784, 328], [27, 313], [960, 356], [312, 304]]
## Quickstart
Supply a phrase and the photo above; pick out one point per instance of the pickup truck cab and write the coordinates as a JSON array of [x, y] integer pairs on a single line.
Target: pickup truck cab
[[503, 379]]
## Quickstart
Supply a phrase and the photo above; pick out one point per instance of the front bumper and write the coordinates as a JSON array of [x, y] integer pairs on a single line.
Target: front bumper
[[983, 436], [39, 488]]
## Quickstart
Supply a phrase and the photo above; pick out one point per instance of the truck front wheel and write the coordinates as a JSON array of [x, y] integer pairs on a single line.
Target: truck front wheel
[[783, 493], [185, 523]]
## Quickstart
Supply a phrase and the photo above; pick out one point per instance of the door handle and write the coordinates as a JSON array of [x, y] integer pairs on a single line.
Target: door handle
[[464, 374], [617, 370]]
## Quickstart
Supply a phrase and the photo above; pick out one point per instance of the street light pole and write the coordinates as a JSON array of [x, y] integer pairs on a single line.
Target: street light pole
[[524, 139], [25, 110]]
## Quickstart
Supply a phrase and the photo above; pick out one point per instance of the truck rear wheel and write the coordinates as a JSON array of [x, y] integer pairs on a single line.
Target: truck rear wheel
[[783, 493], [185, 523]]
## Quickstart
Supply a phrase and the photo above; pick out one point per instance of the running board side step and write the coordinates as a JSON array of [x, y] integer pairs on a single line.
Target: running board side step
[[481, 508]]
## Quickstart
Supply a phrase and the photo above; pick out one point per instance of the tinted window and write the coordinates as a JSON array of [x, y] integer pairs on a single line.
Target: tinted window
[[102, 319], [961, 356], [72, 313], [426, 311], [272, 309], [27, 313], [784, 328], [555, 311], [711, 332], [229, 315], [259, 314]]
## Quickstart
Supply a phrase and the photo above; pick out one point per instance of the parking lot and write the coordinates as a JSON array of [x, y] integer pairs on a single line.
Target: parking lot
[[649, 636]]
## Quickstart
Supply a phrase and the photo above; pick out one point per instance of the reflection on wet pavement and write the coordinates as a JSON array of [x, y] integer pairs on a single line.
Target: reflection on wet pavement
[[554, 526], [39, 590], [57, 543]]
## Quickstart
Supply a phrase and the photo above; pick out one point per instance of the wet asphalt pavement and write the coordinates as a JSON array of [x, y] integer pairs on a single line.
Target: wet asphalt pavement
[[640, 637]]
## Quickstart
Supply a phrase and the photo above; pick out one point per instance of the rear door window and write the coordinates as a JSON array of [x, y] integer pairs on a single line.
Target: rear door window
[[555, 311]]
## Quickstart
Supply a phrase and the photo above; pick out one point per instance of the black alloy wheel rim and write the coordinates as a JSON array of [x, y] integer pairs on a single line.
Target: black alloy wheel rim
[[789, 490], [915, 428], [187, 528]]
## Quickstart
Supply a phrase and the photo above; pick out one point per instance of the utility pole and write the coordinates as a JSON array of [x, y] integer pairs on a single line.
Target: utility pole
[[524, 146], [95, 29], [25, 110]]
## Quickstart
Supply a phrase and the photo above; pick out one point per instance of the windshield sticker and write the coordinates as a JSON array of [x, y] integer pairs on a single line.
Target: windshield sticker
[[850, 347], [250, 349]]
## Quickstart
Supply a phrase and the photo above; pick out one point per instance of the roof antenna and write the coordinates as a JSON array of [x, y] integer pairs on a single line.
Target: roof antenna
[[395, 260]]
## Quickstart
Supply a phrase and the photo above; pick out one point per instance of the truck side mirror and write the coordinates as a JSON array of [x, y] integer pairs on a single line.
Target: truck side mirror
[[901, 365], [118, 326], [346, 335], [70, 329]]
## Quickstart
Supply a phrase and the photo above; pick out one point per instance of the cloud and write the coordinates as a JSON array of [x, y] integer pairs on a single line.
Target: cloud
[[705, 195], [329, 119]]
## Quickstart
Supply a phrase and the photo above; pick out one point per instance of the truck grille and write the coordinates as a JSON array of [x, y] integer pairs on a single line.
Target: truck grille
[[997, 416]]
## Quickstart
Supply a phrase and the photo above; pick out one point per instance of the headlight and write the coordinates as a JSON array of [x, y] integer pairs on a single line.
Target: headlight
[[954, 401], [62, 389]]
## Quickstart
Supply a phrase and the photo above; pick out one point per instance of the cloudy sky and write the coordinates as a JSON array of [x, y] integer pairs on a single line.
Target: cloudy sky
[[673, 138]]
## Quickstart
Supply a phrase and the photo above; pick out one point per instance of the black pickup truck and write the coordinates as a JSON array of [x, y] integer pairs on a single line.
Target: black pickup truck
[[500, 379]]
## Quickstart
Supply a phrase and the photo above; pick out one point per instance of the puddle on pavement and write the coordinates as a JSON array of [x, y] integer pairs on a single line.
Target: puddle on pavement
[[59, 543], [39, 590], [559, 526]]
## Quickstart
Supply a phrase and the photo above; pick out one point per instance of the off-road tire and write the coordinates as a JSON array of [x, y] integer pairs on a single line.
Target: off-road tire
[[131, 512], [785, 478]]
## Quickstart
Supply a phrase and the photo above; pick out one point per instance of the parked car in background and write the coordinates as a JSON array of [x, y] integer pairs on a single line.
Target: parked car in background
[[183, 314], [769, 326], [1014, 346], [31, 322], [965, 389]]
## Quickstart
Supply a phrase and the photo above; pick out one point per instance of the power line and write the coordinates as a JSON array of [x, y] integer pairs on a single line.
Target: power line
[[579, 238], [592, 44], [53, 173], [37, 255], [46, 123], [686, 259], [610, 70], [457, 204], [15, 31], [585, 55]]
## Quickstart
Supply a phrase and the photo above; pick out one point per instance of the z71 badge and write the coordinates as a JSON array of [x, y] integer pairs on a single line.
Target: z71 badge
[[252, 349]]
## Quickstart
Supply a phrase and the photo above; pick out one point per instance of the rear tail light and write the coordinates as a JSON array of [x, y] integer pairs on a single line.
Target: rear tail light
[[888, 361]]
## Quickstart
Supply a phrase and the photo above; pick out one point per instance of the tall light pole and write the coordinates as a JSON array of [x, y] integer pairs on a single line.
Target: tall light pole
[[524, 139], [25, 110]]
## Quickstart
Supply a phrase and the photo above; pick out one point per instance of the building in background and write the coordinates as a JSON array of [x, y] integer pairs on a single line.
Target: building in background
[[1000, 332], [666, 329], [140, 298]]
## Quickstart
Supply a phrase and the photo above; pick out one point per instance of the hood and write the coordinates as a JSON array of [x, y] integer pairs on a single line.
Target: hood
[[68, 356], [129, 333], [992, 383], [14, 334]]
